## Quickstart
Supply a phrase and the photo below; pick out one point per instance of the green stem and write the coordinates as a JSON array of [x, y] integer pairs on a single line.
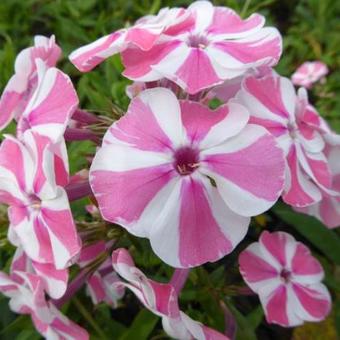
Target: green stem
[[245, 8], [88, 317]]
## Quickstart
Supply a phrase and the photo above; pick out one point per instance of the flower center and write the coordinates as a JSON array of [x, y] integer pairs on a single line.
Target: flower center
[[285, 275], [292, 129], [35, 202], [186, 160], [197, 41]]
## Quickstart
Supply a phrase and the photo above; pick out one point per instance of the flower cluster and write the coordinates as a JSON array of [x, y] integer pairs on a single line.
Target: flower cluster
[[172, 169]]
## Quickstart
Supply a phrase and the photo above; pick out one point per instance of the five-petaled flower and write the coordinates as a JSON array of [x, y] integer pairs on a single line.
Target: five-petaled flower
[[309, 73], [298, 128], [33, 173], [202, 47], [287, 279], [186, 177]]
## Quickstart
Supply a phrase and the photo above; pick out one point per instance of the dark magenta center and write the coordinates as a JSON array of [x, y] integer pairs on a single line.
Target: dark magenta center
[[285, 275], [186, 161], [197, 41]]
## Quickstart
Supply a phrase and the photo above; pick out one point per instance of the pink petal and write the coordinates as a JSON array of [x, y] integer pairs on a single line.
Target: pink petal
[[303, 263], [88, 57], [254, 268], [276, 307], [248, 170], [315, 300]]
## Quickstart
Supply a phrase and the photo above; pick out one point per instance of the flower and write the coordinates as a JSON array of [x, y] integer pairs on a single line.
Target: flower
[[211, 44], [102, 285], [55, 280], [186, 177], [287, 279], [161, 299], [32, 175], [25, 288], [23, 83], [298, 128], [309, 73], [51, 105], [328, 209]]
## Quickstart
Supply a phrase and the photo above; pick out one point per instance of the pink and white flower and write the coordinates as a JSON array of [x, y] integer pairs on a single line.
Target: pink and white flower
[[298, 128], [309, 73], [31, 183], [102, 285], [26, 293], [161, 299], [186, 177], [210, 45], [287, 279], [328, 209], [55, 280], [23, 83], [143, 35], [51, 105]]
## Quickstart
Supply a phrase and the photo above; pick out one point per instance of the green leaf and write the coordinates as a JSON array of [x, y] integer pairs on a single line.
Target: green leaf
[[141, 327], [326, 240]]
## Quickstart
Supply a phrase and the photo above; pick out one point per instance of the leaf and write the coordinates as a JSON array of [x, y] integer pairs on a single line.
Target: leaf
[[255, 317], [141, 327], [326, 240]]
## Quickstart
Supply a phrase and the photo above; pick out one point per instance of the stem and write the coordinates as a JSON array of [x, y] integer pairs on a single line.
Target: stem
[[179, 278], [88, 317], [245, 8], [75, 191]]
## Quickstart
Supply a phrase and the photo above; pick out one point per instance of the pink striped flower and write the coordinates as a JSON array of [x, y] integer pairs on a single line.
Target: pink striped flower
[[142, 36], [33, 173], [161, 299], [328, 209], [26, 293], [186, 177], [55, 280], [299, 130], [102, 285], [287, 279], [23, 83], [51, 105], [210, 45], [309, 73]]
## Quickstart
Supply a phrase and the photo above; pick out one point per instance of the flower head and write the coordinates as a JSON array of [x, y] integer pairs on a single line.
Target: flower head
[[24, 82], [26, 288], [287, 279], [209, 45], [309, 73], [186, 177], [298, 128], [161, 299], [33, 174]]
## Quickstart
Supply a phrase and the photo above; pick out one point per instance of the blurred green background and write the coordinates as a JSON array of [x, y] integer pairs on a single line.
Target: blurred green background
[[311, 31]]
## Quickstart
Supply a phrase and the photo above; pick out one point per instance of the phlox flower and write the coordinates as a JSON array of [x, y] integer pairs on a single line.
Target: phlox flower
[[328, 209], [51, 105], [210, 45], [298, 128], [33, 172], [186, 177], [23, 83], [161, 299], [26, 290], [309, 73], [287, 279], [102, 284]]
